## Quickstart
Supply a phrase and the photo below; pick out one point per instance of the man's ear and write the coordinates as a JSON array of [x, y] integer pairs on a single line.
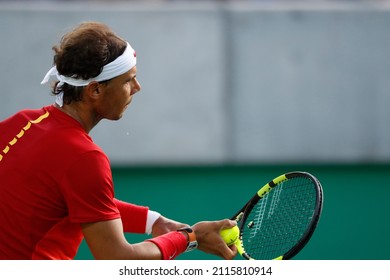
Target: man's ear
[[93, 89]]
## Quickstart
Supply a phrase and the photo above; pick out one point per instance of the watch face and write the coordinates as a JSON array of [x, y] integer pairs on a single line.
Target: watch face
[[192, 245]]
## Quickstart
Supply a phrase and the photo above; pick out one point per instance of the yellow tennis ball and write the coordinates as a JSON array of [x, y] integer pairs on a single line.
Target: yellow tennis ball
[[230, 235]]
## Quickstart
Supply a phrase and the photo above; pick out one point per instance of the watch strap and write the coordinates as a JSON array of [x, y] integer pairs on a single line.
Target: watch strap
[[192, 242]]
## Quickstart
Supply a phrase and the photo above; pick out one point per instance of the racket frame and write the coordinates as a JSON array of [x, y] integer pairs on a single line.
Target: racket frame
[[241, 216]]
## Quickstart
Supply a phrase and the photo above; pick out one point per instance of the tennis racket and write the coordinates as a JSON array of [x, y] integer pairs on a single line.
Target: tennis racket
[[279, 220]]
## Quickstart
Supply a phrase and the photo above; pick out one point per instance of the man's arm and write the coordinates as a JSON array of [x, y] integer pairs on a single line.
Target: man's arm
[[106, 240]]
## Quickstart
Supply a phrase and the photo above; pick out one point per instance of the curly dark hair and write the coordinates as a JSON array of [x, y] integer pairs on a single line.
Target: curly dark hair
[[82, 53]]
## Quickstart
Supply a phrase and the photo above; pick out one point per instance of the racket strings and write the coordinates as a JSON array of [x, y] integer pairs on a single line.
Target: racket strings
[[279, 220]]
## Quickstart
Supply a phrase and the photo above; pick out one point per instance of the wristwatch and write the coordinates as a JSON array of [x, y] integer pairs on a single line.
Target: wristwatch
[[192, 243]]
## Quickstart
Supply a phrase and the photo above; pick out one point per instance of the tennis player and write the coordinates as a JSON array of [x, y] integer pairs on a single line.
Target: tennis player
[[56, 184]]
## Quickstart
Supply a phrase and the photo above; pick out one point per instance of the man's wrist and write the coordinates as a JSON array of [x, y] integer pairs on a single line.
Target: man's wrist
[[150, 220], [192, 243]]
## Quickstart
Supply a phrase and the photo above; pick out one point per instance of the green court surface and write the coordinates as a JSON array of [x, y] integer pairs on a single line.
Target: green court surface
[[355, 223]]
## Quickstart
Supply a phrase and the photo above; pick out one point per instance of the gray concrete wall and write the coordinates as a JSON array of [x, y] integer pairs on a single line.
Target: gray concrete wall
[[224, 83]]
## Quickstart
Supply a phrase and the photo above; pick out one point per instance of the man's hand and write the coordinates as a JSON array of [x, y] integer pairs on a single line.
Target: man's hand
[[163, 225], [210, 240]]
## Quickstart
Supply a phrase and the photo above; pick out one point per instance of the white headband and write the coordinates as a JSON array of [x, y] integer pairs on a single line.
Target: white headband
[[119, 66]]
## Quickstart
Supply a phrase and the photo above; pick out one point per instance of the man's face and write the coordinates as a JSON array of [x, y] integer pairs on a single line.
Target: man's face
[[117, 95]]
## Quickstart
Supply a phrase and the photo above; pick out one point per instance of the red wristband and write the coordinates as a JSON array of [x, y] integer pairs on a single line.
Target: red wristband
[[170, 244], [133, 216]]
